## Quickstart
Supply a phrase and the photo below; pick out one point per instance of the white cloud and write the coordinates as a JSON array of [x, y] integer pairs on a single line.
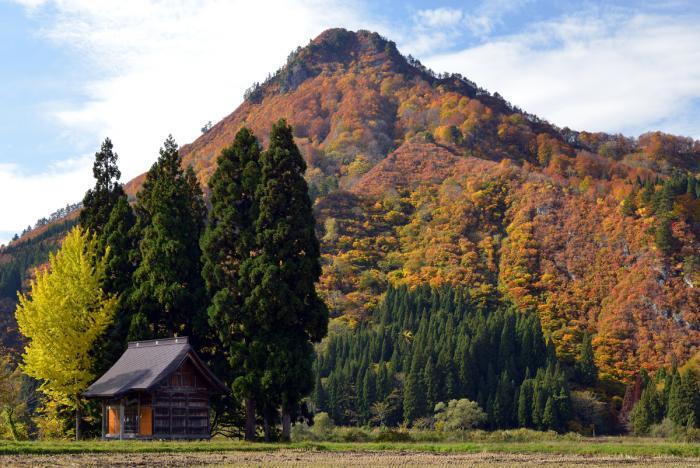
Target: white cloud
[[598, 73], [28, 197], [442, 28], [439, 17], [489, 14], [435, 29], [162, 67]]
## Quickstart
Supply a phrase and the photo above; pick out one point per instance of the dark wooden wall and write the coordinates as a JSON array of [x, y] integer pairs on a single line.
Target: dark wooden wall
[[181, 405]]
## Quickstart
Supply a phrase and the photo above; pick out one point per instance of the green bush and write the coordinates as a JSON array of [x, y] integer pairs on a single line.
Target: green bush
[[391, 435], [459, 415], [302, 432], [665, 429], [323, 426], [691, 435], [351, 434]]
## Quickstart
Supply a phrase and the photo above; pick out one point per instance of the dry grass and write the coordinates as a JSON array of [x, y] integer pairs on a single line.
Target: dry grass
[[291, 457], [512, 448]]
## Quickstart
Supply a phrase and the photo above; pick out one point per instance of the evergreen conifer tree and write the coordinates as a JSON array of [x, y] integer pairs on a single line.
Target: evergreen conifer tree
[[525, 404], [586, 369], [319, 396], [285, 271], [663, 237], [369, 389], [168, 287], [692, 390], [431, 385], [100, 200], [678, 405], [414, 396], [550, 419], [106, 212], [227, 244], [117, 236]]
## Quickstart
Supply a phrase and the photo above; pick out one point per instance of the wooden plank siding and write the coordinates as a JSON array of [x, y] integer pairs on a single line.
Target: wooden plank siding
[[176, 409]]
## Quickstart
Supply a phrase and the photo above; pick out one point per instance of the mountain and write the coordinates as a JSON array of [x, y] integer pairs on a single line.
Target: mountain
[[424, 178]]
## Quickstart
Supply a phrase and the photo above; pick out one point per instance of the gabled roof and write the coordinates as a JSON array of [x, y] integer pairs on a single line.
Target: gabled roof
[[145, 364]]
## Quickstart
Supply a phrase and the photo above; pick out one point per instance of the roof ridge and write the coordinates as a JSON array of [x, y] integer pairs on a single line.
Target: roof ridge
[[180, 340]]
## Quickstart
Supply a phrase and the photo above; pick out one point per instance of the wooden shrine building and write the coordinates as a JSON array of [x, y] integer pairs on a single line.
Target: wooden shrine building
[[158, 389]]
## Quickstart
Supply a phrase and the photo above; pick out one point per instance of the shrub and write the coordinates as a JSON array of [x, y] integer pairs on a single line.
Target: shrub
[[302, 432], [665, 429], [351, 434], [459, 414], [691, 435], [392, 435], [323, 426], [588, 411]]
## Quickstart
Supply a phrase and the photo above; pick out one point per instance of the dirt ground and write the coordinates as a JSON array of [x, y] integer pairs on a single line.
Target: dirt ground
[[308, 458]]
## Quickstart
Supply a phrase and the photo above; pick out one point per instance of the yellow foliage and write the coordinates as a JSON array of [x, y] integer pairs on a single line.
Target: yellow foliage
[[50, 423], [448, 134], [65, 312]]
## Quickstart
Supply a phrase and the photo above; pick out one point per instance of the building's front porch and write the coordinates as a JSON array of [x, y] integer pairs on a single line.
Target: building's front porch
[[128, 418]]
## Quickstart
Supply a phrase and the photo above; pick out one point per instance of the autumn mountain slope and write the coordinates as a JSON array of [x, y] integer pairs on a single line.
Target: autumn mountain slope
[[424, 178]]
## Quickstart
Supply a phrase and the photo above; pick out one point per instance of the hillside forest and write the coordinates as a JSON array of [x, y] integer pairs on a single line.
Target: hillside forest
[[459, 256]]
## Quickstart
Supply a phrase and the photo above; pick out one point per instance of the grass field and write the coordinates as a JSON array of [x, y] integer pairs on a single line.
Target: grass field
[[586, 452]]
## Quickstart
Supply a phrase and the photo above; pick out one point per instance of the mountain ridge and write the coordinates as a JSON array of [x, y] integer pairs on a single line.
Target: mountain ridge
[[423, 178]]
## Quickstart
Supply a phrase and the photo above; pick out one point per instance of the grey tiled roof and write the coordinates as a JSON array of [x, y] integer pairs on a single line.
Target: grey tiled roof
[[144, 365]]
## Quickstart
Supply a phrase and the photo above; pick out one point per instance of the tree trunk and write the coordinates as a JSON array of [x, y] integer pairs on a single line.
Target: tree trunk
[[78, 417], [286, 426], [266, 427], [250, 419]]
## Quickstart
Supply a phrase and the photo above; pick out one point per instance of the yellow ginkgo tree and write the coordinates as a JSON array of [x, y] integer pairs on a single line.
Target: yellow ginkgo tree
[[63, 315]]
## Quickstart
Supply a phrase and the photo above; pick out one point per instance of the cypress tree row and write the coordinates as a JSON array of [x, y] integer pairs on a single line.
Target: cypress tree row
[[168, 289]]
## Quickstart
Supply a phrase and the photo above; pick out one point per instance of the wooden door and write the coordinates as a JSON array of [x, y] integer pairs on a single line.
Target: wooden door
[[145, 421], [113, 420]]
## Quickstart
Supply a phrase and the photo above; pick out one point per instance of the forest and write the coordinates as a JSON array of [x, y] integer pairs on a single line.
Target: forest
[[445, 346]]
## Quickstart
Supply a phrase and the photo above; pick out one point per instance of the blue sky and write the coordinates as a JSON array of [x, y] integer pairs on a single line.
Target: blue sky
[[75, 71]]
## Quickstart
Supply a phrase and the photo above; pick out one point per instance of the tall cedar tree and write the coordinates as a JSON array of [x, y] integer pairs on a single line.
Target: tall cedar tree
[[227, 243], [168, 287], [99, 201], [107, 213], [284, 273], [119, 237]]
